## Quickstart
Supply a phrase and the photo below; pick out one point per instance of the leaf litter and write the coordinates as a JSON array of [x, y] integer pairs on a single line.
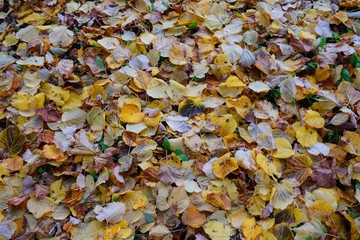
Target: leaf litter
[[179, 119]]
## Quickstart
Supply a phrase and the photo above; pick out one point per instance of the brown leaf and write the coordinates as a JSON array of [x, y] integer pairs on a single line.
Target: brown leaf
[[49, 113], [14, 164], [193, 217], [323, 175]]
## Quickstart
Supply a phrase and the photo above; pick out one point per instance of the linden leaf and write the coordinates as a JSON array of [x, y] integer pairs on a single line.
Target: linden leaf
[[306, 137], [282, 195], [313, 229], [282, 231], [217, 230], [290, 216], [190, 107], [283, 148], [130, 114], [224, 165], [179, 53], [39, 207], [12, 140], [250, 229], [313, 119], [298, 167], [352, 141], [192, 217]]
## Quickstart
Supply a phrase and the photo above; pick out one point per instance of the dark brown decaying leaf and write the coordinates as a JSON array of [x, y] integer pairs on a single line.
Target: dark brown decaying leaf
[[12, 140]]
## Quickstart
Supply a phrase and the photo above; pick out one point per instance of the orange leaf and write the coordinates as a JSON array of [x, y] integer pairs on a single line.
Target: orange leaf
[[193, 217]]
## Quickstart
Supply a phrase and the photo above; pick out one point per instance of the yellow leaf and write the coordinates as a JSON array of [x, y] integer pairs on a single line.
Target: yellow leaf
[[157, 88], [321, 74], [250, 229], [313, 119], [282, 195], [283, 148], [255, 205], [238, 217], [56, 94], [218, 199], [40, 207], [23, 102], [179, 54], [97, 92], [232, 87], [242, 105], [96, 118], [226, 124], [130, 114], [330, 196], [3, 172], [110, 232], [190, 107], [224, 165], [53, 153], [271, 166], [290, 216], [217, 230], [136, 199], [57, 191], [352, 141], [321, 208], [119, 230], [306, 137]]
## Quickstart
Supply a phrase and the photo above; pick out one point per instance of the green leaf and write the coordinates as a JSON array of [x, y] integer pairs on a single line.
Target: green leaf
[[322, 43], [40, 170], [100, 62], [165, 4], [273, 95], [324, 227], [93, 174], [183, 157], [102, 145], [149, 218], [177, 151], [335, 37], [345, 75], [166, 144], [355, 61], [151, 7], [21, 67], [313, 65], [309, 238], [193, 25], [196, 79]]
